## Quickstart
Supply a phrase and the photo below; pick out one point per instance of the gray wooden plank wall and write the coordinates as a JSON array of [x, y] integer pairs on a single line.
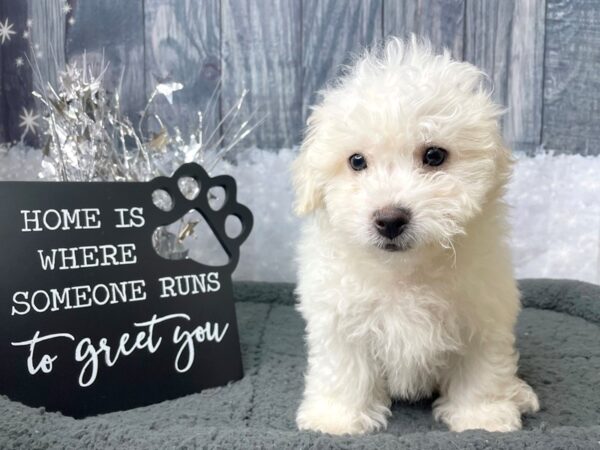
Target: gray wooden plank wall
[[571, 102], [183, 43], [261, 43], [542, 56], [16, 80], [326, 47]]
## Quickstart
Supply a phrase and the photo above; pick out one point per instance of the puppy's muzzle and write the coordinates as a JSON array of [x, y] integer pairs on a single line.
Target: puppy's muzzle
[[391, 221]]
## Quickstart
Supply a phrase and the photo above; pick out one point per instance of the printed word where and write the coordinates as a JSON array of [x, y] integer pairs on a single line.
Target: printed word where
[[87, 256]]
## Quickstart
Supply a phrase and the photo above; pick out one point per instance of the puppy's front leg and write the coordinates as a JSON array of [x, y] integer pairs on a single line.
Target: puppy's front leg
[[482, 390], [344, 394]]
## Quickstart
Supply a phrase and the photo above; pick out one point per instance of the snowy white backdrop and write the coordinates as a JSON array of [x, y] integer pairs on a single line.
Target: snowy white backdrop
[[555, 214]]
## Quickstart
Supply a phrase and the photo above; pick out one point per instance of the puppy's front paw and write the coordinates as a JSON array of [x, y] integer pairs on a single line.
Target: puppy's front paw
[[330, 416], [501, 415], [526, 400]]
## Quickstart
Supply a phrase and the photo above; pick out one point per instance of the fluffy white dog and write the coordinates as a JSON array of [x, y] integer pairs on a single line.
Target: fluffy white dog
[[405, 278]]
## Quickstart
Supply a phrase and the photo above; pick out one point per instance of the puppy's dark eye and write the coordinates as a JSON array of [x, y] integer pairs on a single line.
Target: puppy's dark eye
[[434, 156], [358, 162]]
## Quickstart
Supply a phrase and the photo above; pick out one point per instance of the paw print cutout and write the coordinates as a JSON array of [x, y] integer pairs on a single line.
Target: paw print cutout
[[190, 188]]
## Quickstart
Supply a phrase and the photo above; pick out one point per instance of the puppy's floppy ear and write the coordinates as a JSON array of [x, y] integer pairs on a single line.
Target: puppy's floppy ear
[[309, 195], [309, 190]]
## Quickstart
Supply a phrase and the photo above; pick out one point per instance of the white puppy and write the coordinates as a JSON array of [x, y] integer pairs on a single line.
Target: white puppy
[[405, 278]]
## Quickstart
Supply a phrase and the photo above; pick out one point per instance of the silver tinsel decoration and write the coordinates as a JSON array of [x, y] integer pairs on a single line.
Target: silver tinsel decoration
[[89, 139]]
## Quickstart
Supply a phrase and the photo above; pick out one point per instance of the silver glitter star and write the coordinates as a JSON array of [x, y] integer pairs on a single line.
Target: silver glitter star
[[29, 121], [6, 31]]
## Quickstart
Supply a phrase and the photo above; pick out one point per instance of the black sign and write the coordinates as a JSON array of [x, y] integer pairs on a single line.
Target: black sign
[[92, 319]]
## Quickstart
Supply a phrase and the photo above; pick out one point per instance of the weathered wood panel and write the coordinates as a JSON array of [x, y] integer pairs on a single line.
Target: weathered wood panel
[[572, 77], [261, 51], [16, 79], [4, 111], [545, 69], [441, 21], [332, 32], [113, 31], [488, 25], [524, 97], [183, 44], [48, 27]]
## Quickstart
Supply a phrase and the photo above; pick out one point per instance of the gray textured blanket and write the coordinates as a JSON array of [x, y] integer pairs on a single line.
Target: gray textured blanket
[[559, 341]]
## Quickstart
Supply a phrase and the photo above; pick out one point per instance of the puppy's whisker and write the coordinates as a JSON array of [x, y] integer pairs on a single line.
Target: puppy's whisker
[[449, 245]]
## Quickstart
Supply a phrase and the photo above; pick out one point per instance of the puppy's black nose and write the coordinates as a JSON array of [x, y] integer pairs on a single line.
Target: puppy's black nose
[[391, 221]]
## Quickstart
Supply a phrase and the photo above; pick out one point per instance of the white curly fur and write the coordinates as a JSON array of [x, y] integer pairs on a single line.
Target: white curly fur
[[439, 316]]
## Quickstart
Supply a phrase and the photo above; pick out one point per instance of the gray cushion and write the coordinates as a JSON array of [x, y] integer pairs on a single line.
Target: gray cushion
[[558, 338]]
